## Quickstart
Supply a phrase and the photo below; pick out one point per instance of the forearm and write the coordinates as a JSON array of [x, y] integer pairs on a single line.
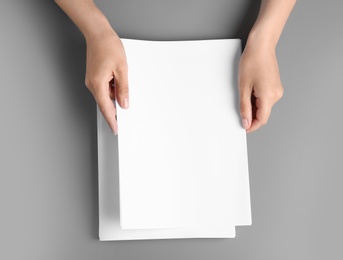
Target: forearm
[[270, 22], [87, 17]]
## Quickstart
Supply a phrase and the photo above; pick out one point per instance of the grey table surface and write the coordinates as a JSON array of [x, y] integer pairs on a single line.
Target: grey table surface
[[48, 147]]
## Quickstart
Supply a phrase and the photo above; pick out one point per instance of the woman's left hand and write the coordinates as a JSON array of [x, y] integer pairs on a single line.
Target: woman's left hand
[[260, 86]]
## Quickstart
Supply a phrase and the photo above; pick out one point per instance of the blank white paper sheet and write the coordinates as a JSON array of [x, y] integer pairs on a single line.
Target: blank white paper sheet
[[178, 167]]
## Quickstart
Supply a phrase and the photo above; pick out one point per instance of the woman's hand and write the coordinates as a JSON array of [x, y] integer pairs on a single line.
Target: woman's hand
[[260, 86], [106, 74], [106, 61]]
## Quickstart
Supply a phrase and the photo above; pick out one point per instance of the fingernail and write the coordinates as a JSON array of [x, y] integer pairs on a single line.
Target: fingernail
[[126, 103], [115, 131], [245, 123]]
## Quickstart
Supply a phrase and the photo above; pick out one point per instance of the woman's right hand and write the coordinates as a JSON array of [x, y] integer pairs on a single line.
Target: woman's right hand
[[107, 74]]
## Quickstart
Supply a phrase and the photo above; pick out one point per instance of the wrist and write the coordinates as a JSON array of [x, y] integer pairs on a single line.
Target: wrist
[[261, 39], [100, 34]]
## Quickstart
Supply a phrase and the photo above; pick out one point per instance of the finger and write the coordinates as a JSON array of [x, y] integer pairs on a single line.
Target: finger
[[122, 88], [245, 106], [263, 109], [108, 110]]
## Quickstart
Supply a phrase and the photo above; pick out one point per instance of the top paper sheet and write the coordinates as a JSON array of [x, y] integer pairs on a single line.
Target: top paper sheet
[[182, 149]]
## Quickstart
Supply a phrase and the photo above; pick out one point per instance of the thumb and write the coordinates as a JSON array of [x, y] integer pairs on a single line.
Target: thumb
[[122, 88], [245, 107]]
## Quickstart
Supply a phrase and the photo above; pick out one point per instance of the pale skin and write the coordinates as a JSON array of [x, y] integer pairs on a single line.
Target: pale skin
[[260, 86]]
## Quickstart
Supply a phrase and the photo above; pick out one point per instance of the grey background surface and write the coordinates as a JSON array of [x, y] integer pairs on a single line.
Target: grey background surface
[[48, 149]]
